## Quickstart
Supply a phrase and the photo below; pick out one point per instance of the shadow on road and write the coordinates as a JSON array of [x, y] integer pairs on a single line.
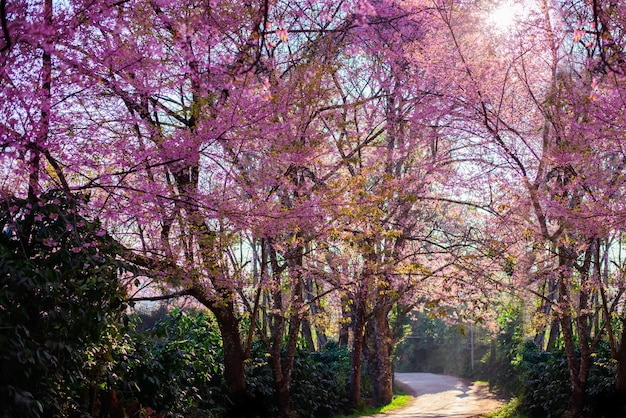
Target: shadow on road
[[440, 396]]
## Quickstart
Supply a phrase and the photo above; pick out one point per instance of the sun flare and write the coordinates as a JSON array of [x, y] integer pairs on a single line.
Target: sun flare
[[505, 15]]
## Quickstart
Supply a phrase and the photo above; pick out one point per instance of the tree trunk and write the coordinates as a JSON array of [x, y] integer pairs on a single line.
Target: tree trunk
[[357, 346], [315, 308], [546, 310], [379, 354], [307, 334], [277, 328], [234, 353], [578, 366], [346, 322], [573, 363], [295, 321], [555, 331], [234, 356], [620, 380], [282, 367], [284, 392]]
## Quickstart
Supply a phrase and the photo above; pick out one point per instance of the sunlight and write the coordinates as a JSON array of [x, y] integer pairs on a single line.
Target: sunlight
[[505, 15]]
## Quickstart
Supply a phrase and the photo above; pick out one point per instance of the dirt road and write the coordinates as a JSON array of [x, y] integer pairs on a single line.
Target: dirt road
[[440, 396]]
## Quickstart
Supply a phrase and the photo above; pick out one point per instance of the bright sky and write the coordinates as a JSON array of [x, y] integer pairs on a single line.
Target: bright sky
[[503, 16]]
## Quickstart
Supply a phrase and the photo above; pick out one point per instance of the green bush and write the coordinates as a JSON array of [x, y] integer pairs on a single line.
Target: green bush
[[546, 391], [175, 366], [497, 366], [510, 410], [601, 398], [319, 382], [60, 302], [261, 383]]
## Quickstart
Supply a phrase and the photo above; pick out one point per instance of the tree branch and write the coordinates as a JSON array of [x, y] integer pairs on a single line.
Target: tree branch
[[5, 27], [185, 292]]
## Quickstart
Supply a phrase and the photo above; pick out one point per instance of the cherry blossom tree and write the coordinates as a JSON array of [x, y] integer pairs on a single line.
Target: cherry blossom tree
[[383, 153], [529, 100]]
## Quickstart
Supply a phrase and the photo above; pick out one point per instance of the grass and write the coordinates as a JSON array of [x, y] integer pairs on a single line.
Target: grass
[[507, 411], [397, 402]]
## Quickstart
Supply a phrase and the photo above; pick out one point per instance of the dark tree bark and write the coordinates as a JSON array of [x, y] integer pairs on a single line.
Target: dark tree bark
[[620, 380], [282, 366], [307, 334], [378, 353], [358, 330], [234, 353], [346, 321], [579, 364]]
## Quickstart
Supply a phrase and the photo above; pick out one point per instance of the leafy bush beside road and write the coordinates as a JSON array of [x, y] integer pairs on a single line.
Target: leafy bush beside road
[[60, 301]]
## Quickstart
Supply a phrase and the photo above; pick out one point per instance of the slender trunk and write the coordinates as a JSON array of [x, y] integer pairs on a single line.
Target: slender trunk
[[555, 331], [41, 137], [583, 327], [578, 365], [309, 297], [493, 353], [295, 321], [282, 367], [314, 309], [359, 315], [307, 334], [565, 318], [573, 363], [620, 380], [546, 311], [277, 327], [284, 390], [346, 322]]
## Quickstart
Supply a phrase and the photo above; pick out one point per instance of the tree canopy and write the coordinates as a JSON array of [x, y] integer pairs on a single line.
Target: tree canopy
[[315, 169]]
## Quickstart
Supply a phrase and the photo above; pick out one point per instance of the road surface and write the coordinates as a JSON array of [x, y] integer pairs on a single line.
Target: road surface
[[439, 396]]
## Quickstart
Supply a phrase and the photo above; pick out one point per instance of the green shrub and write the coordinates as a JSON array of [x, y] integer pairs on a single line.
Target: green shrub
[[497, 366], [546, 391], [510, 410], [60, 301], [547, 385], [319, 382], [601, 397], [175, 366], [261, 383]]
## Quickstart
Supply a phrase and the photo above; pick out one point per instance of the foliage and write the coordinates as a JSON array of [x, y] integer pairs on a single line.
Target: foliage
[[434, 345], [546, 390], [319, 386], [260, 381], [497, 366], [174, 366], [346, 141], [320, 381], [60, 301], [397, 402], [510, 410]]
